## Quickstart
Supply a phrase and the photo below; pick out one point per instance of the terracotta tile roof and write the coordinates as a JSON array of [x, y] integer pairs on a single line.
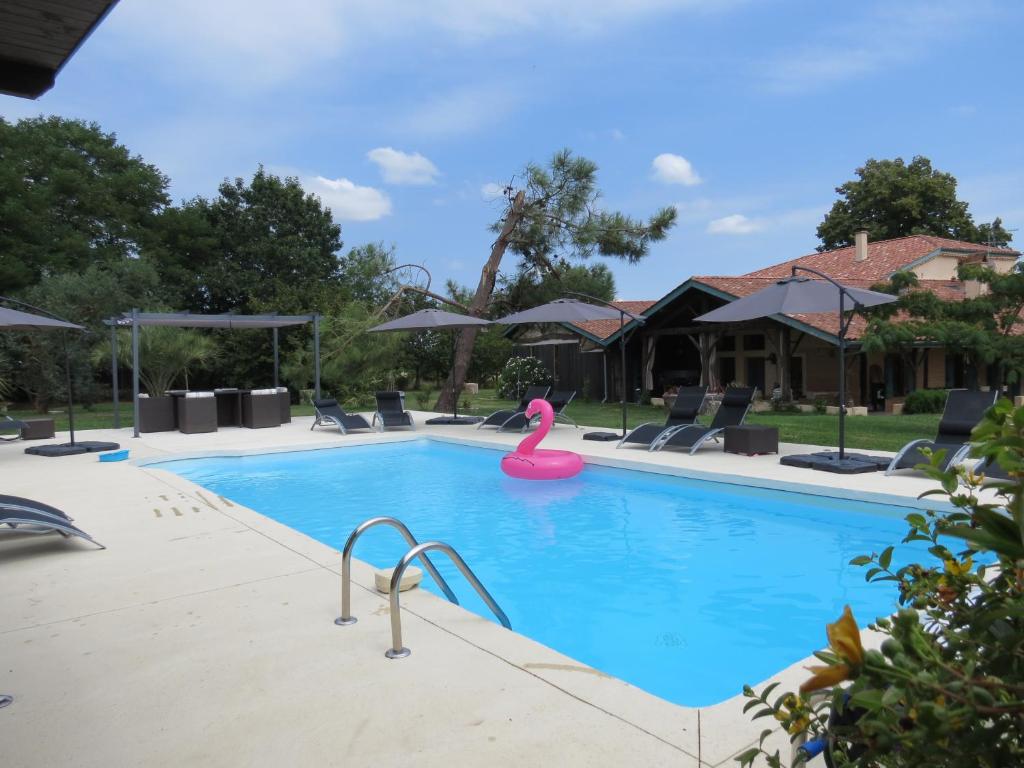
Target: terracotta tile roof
[[884, 258], [602, 329]]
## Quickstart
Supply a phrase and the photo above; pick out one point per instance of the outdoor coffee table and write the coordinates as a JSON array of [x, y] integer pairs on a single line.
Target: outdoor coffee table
[[751, 439]]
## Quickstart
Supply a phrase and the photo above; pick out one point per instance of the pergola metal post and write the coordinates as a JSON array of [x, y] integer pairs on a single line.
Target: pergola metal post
[[113, 372], [277, 360], [135, 370], [316, 356]]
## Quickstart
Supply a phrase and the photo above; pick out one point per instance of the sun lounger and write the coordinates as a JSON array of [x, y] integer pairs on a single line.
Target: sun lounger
[[22, 519], [964, 409], [391, 411], [498, 418], [731, 413], [328, 412], [559, 400], [21, 504], [684, 411], [7, 424]]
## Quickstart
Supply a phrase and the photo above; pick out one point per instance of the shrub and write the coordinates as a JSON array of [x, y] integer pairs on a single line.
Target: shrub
[[925, 401], [424, 398], [945, 688], [518, 374], [820, 405]]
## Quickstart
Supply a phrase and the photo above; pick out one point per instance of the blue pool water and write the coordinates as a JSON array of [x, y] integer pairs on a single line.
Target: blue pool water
[[685, 588]]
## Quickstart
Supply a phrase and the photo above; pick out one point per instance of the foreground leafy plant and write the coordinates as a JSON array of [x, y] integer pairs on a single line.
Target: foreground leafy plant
[[946, 686]]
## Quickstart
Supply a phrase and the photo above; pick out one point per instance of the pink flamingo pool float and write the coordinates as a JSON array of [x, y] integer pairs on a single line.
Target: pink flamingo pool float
[[528, 462]]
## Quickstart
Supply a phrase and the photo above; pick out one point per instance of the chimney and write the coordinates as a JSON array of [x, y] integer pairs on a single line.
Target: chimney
[[860, 244]]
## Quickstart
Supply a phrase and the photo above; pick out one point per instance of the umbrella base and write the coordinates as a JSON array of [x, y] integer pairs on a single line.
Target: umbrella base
[[71, 449], [455, 420], [828, 461], [603, 437]]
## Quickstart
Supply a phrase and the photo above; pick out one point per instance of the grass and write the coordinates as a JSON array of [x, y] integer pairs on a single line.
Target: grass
[[879, 432]]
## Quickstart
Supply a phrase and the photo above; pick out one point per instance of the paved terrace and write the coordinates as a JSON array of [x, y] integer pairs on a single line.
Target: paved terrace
[[203, 635]]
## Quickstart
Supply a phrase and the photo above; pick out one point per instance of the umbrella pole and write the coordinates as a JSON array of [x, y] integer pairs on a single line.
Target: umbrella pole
[[455, 394], [71, 394], [842, 379], [622, 346]]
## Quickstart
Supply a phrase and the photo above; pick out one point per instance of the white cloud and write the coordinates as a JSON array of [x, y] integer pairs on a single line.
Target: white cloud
[[736, 224], [399, 167], [261, 43], [616, 134], [349, 201], [877, 42], [674, 169], [492, 190], [461, 111]]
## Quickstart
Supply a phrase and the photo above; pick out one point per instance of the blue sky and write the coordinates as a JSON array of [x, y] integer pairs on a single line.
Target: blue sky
[[403, 115]]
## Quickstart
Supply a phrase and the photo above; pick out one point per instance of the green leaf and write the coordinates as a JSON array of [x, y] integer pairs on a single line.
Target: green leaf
[[885, 558], [860, 560]]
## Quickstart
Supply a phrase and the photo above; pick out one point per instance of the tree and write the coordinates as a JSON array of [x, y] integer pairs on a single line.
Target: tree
[[70, 197], [994, 235], [261, 246], [554, 216], [99, 292], [891, 199], [981, 330], [531, 286]]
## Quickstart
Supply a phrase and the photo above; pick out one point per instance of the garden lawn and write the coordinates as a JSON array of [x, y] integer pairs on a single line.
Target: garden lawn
[[879, 433]]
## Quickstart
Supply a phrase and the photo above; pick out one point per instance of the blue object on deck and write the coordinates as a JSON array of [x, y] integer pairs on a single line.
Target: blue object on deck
[[812, 748], [120, 455]]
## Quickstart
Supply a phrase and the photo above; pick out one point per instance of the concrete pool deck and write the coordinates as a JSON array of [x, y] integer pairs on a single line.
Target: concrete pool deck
[[204, 633]]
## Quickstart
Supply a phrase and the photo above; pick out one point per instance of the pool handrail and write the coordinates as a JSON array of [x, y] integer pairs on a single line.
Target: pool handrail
[[397, 650], [346, 617]]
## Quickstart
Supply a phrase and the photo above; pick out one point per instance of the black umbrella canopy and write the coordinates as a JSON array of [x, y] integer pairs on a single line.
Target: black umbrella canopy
[[564, 311], [427, 319], [17, 320], [795, 295]]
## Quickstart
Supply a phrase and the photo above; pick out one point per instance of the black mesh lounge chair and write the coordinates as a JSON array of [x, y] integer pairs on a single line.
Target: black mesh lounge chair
[[964, 409], [498, 418], [391, 411], [22, 519], [685, 410], [21, 504], [559, 400], [731, 413], [7, 424], [329, 412]]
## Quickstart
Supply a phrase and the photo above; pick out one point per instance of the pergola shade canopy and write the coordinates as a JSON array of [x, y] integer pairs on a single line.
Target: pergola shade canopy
[[136, 320], [228, 321]]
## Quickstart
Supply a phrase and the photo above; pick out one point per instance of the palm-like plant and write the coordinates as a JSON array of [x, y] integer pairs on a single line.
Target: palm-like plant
[[165, 354]]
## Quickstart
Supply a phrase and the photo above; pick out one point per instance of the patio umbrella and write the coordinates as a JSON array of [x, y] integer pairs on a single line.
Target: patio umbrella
[[574, 311], [799, 294], [432, 320], [16, 320]]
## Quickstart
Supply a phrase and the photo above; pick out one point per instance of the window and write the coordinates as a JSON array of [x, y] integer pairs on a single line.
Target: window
[[753, 342], [727, 344]]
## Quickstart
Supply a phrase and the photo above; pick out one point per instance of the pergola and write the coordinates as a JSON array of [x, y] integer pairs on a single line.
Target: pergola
[[136, 320]]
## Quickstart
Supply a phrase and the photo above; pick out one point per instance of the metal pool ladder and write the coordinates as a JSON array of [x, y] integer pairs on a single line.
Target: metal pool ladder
[[397, 650]]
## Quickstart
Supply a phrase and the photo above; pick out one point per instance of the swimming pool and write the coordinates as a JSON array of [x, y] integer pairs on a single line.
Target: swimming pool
[[685, 588]]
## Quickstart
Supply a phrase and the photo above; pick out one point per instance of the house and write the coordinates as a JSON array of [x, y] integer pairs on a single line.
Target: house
[[794, 353]]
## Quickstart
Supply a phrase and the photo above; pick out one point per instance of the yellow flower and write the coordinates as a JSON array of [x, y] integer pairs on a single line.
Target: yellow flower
[[954, 568], [844, 640], [799, 725]]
